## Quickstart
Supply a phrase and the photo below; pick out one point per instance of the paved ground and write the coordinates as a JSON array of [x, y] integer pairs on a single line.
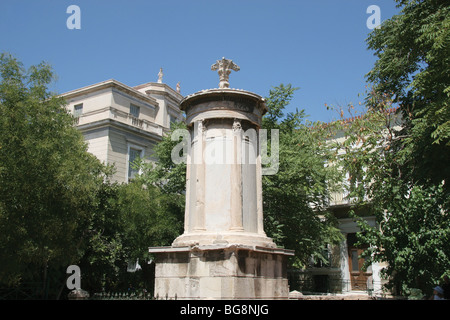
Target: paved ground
[[353, 295], [338, 297]]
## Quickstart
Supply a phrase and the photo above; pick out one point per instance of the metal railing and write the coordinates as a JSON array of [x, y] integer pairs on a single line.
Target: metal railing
[[326, 285], [133, 295], [26, 291]]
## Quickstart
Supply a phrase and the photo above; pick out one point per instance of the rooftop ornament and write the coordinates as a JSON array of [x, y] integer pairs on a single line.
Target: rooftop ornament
[[223, 68]]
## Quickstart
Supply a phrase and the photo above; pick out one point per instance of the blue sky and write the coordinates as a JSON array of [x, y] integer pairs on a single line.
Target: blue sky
[[318, 46]]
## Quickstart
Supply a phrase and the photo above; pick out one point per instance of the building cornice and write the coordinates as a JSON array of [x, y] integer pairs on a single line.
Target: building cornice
[[111, 83], [161, 89]]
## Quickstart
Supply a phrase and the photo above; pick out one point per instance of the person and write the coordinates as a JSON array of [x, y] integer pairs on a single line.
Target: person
[[438, 293], [446, 287]]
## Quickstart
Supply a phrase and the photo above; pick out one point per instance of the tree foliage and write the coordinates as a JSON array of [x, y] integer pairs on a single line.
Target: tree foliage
[[412, 68], [57, 204], [413, 225], [129, 219], [296, 197], [48, 180], [397, 153]]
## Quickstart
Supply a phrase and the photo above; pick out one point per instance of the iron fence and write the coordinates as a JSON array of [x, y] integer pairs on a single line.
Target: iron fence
[[324, 284], [26, 291]]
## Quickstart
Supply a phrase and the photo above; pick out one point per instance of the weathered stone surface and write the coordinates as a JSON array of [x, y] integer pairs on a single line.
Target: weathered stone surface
[[295, 295], [78, 294], [221, 272]]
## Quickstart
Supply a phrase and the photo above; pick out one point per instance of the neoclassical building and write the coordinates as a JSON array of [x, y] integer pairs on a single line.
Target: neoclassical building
[[121, 123]]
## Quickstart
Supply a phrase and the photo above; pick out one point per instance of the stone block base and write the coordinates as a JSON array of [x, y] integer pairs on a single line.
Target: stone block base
[[221, 272]]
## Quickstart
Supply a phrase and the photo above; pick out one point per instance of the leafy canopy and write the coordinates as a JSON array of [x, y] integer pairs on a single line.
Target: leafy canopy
[[397, 153], [48, 180]]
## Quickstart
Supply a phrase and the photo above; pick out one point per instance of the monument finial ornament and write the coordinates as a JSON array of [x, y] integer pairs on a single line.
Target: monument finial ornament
[[224, 68]]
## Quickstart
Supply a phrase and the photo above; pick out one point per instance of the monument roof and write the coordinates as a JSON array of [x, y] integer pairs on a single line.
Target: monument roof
[[216, 94]]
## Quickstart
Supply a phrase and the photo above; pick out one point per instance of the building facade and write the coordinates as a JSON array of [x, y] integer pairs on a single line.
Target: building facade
[[121, 123]]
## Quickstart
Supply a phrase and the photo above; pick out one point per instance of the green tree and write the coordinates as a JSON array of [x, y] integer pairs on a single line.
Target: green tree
[[129, 219], [399, 170], [297, 196], [413, 224], [412, 69], [103, 262], [48, 180]]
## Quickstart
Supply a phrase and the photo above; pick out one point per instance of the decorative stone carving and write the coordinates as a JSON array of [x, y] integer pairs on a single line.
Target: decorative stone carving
[[237, 125], [223, 68], [160, 75], [202, 126]]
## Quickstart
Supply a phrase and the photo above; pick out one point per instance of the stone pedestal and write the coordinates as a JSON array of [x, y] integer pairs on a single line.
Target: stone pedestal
[[221, 272]]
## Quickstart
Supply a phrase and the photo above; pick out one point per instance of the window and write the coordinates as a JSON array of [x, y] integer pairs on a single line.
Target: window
[[133, 154], [172, 120], [134, 110], [355, 260], [78, 110]]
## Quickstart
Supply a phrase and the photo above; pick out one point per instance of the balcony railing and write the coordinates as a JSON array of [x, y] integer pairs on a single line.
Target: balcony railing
[[137, 122], [339, 198], [144, 124]]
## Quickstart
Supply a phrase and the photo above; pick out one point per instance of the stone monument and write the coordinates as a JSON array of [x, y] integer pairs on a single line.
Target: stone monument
[[224, 252]]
